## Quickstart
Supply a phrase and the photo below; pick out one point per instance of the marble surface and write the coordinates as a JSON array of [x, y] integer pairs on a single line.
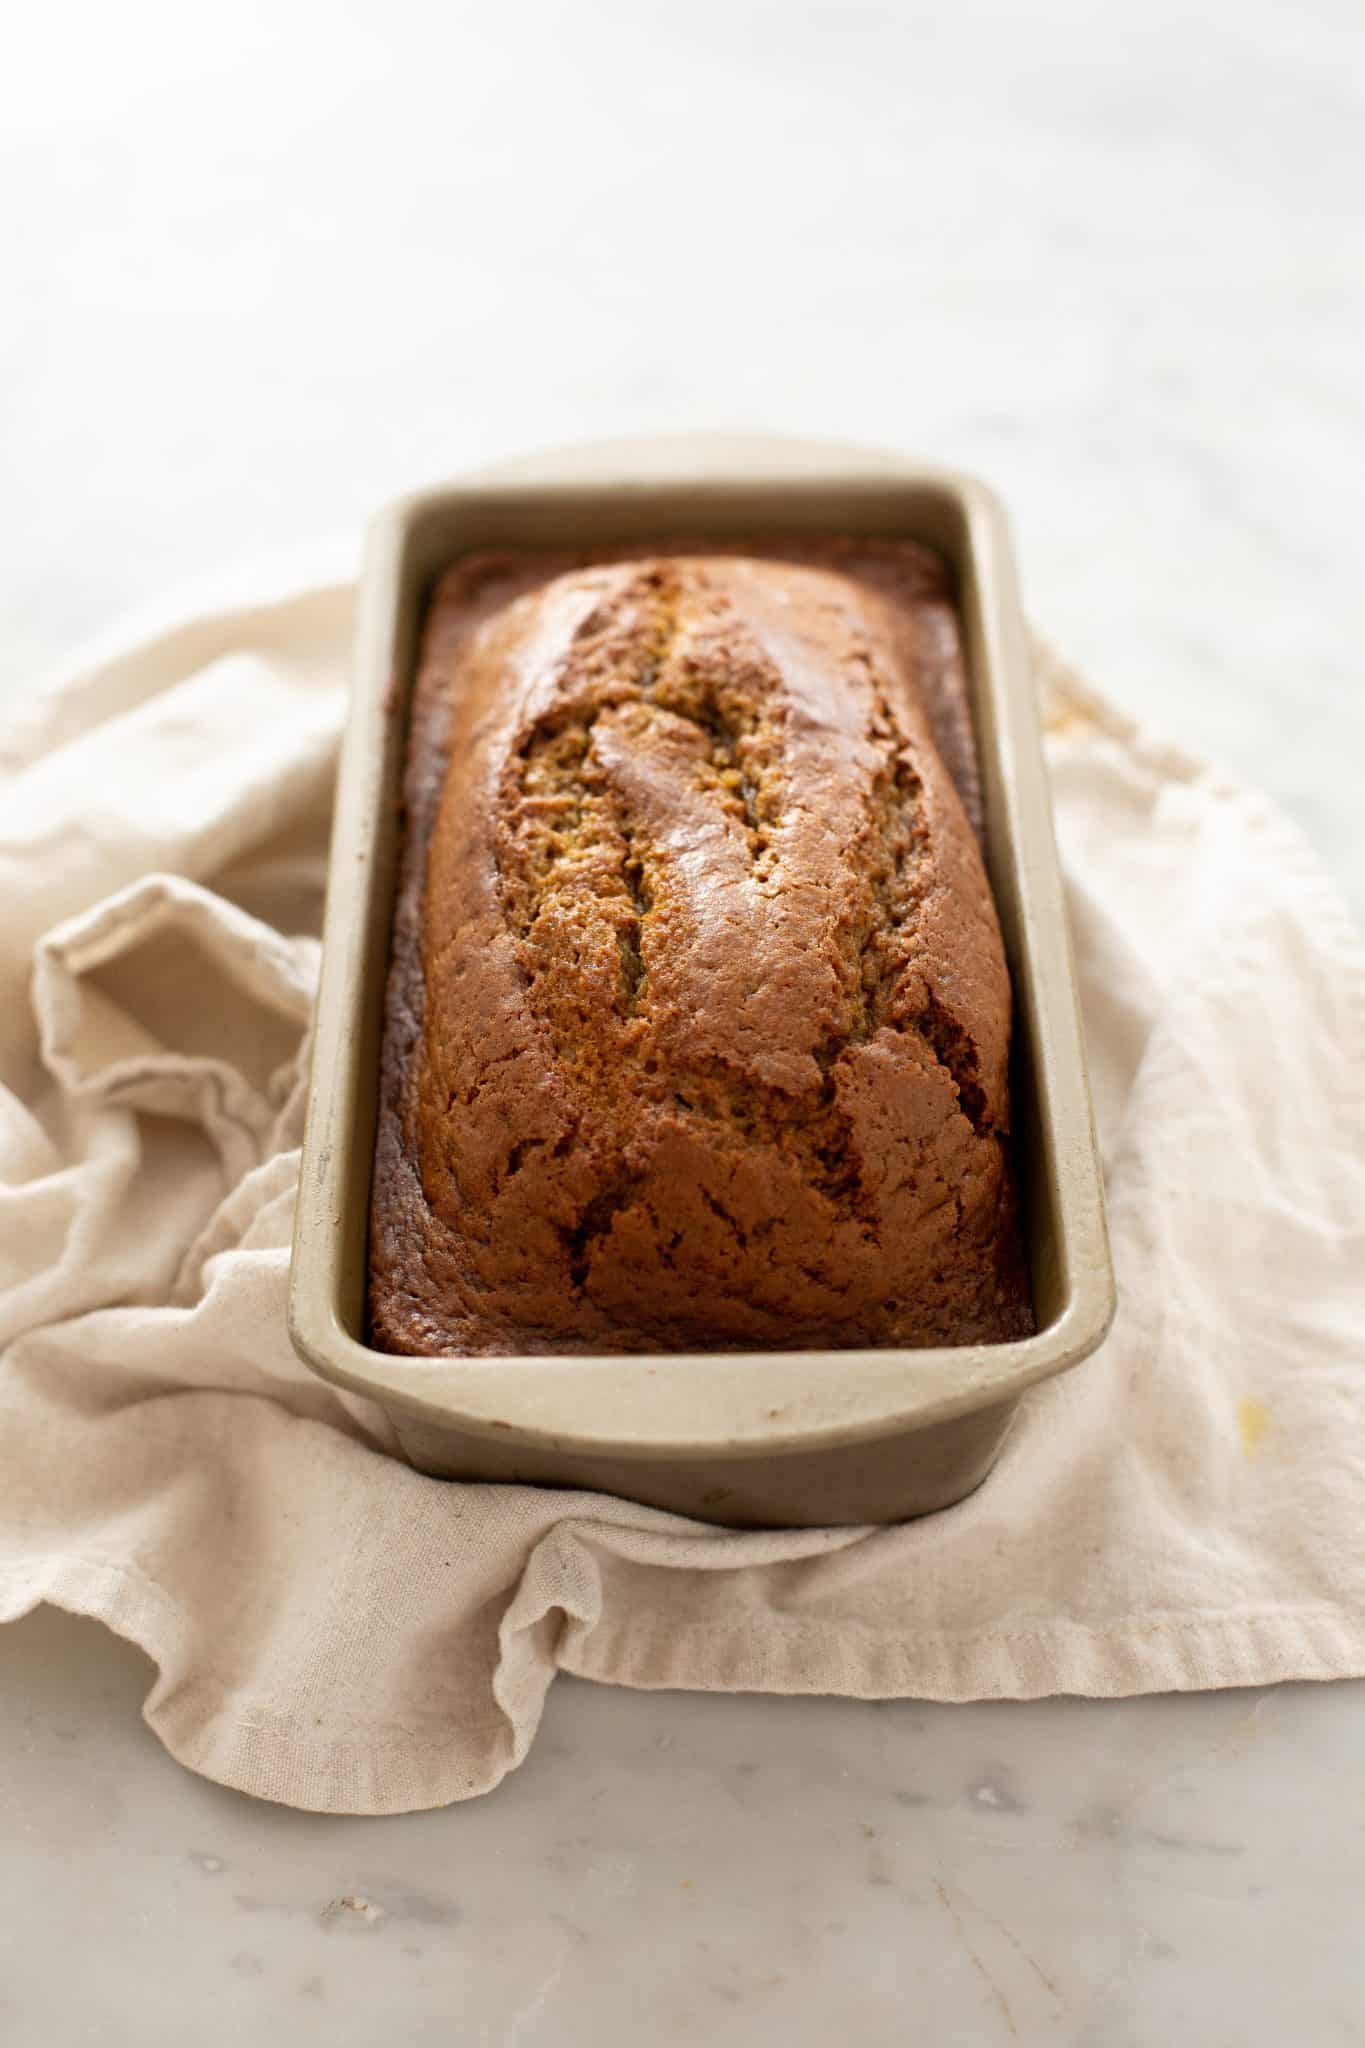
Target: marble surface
[[1112, 256], [737, 1870]]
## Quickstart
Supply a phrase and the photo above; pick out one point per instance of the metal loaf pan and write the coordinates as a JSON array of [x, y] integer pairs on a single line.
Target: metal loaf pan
[[775, 1438]]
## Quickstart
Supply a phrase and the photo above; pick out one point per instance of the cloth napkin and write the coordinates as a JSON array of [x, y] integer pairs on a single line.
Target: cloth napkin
[[332, 1629]]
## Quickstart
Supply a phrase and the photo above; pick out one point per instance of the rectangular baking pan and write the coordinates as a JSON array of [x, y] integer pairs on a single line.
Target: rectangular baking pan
[[768, 1438]]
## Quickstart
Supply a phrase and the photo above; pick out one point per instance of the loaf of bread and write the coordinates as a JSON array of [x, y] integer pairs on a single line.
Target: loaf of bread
[[698, 1020]]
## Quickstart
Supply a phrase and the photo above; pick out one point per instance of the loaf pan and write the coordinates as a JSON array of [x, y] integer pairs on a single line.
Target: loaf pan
[[768, 1438]]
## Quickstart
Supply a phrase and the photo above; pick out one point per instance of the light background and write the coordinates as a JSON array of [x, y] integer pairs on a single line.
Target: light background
[[267, 265]]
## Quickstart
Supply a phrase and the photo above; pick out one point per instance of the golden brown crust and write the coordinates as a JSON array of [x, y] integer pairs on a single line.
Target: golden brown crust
[[698, 1019]]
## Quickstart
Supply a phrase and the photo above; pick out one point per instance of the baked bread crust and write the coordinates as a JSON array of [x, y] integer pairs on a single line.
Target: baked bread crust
[[697, 1021]]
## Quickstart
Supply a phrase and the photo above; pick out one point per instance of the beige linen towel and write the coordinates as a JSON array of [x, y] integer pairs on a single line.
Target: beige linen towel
[[1185, 1510]]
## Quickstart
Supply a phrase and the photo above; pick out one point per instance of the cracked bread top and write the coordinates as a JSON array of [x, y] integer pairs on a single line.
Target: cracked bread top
[[698, 1019]]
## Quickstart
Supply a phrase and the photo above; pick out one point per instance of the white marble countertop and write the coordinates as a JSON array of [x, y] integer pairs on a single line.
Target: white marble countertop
[[1110, 256], [677, 1870]]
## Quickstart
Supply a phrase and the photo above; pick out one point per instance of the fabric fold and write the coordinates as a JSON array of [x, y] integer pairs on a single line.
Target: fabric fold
[[334, 1630]]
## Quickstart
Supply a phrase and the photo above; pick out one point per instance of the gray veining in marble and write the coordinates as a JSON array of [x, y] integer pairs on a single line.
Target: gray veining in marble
[[263, 273]]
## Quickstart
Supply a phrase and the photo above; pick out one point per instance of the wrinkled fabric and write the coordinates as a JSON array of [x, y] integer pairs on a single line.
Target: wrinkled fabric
[[336, 1631]]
